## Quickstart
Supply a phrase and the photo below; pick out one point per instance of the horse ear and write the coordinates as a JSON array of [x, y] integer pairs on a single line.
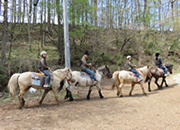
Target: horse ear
[[148, 66], [68, 70]]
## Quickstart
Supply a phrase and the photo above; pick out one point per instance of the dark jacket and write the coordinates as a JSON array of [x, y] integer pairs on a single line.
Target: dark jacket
[[84, 63], [129, 65], [42, 65], [157, 61]]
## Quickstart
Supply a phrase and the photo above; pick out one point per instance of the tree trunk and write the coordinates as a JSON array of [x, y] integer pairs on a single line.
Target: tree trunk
[[29, 24], [3, 53], [49, 15], [60, 45], [19, 11], [24, 10]]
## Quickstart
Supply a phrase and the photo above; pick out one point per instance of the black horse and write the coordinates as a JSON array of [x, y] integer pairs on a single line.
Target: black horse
[[158, 73]]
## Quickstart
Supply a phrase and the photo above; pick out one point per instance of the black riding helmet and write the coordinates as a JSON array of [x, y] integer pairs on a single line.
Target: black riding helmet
[[157, 54]]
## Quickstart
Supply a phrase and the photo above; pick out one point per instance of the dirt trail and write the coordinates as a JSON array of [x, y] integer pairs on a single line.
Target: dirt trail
[[159, 110]]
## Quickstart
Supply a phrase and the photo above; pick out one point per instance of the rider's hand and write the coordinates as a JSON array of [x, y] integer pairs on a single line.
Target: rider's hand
[[49, 68], [90, 64]]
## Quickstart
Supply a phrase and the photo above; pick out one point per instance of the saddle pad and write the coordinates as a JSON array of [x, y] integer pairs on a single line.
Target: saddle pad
[[36, 76], [37, 82]]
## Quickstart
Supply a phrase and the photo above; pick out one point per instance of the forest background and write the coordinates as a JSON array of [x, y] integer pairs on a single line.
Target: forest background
[[109, 29]]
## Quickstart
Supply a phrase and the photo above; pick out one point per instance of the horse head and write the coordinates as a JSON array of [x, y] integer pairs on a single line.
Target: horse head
[[105, 71], [69, 74], [146, 72], [169, 67]]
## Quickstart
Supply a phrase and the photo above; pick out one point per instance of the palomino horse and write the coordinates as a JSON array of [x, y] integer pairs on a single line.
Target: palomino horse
[[24, 82], [159, 73], [86, 81], [126, 77]]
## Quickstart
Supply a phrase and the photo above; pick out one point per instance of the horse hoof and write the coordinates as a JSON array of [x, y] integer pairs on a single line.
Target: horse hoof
[[145, 94], [20, 107], [130, 94], [71, 99], [167, 86], [102, 97], [149, 90], [66, 97], [88, 98], [121, 95]]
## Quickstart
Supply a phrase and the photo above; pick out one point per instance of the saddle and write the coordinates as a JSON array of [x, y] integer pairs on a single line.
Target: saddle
[[160, 69], [84, 74], [39, 78], [133, 74]]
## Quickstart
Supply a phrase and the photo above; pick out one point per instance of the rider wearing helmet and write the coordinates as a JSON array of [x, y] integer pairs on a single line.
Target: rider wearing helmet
[[130, 67], [42, 65], [85, 67], [158, 63]]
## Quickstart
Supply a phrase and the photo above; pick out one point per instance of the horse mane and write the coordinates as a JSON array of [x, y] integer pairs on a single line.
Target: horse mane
[[142, 71], [60, 70], [101, 68]]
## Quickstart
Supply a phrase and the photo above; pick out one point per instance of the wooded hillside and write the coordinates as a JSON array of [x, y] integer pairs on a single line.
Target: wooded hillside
[[109, 29]]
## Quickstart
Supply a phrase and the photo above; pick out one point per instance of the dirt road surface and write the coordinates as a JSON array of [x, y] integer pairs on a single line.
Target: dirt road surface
[[159, 110]]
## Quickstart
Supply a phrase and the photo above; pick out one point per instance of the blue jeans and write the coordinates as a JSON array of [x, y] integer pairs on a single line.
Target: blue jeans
[[165, 69], [134, 71], [90, 72], [46, 72]]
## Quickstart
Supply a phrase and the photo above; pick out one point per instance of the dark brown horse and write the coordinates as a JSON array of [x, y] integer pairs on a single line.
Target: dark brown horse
[[159, 73]]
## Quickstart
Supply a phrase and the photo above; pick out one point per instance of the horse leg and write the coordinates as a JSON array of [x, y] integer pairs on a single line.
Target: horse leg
[[120, 89], [132, 87], [90, 89], [141, 84], [156, 79], [44, 95], [165, 82], [118, 93], [99, 90], [69, 95], [55, 91], [162, 83], [149, 82], [21, 99]]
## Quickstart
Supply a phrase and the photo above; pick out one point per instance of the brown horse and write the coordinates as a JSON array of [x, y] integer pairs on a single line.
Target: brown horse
[[159, 73], [24, 82]]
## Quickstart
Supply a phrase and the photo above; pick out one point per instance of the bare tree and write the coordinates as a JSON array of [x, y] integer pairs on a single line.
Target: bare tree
[[5, 22]]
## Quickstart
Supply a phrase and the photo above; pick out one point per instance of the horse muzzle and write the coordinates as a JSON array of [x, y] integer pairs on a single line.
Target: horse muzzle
[[109, 75]]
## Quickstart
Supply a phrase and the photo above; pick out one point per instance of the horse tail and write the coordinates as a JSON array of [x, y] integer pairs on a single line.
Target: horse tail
[[115, 79], [61, 86], [13, 84]]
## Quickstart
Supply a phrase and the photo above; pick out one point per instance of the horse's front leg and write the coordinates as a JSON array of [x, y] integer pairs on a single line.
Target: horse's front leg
[[162, 83], [55, 91], [132, 87], [156, 79], [69, 95], [90, 89], [149, 83], [99, 90], [141, 84], [165, 82], [44, 95]]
